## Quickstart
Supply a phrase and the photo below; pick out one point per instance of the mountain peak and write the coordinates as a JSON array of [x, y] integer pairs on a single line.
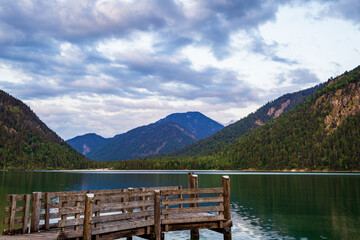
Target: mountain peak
[[195, 122]]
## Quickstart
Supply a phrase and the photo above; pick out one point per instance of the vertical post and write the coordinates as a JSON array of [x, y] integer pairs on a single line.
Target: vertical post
[[190, 179], [12, 213], [227, 210], [157, 215], [35, 212], [26, 213], [47, 211], [89, 200], [194, 234]]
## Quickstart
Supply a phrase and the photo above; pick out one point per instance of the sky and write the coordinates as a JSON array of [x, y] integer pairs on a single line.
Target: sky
[[108, 66]]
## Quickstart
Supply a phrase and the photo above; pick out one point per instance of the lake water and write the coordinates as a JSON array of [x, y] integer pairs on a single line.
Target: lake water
[[264, 205]]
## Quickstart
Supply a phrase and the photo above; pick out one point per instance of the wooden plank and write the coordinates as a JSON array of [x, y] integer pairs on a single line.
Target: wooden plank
[[35, 212], [192, 191], [123, 226], [119, 206], [122, 216], [26, 217], [209, 218], [89, 201], [189, 226], [12, 212], [141, 232], [16, 220], [17, 197], [192, 210], [17, 209], [71, 210], [47, 211], [226, 194], [191, 201], [157, 215]]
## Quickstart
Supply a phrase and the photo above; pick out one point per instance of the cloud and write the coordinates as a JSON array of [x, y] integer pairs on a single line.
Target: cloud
[[113, 62], [299, 76]]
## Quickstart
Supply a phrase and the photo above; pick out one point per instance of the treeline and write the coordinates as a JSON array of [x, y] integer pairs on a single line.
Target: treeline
[[27, 143], [229, 134], [321, 133]]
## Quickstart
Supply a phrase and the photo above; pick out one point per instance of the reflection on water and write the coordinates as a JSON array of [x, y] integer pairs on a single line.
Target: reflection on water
[[264, 205]]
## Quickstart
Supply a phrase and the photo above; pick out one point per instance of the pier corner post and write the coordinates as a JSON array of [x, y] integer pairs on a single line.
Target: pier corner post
[[157, 215], [35, 211], [89, 200], [194, 234], [227, 208]]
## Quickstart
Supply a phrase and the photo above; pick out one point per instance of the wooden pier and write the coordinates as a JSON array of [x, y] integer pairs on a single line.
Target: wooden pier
[[123, 213]]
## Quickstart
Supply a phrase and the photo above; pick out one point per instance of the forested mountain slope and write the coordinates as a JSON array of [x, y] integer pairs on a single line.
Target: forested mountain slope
[[323, 132], [87, 142], [27, 143], [228, 134], [197, 123], [143, 141]]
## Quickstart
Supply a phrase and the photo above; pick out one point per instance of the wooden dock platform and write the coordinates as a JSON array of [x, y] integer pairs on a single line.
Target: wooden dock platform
[[123, 213]]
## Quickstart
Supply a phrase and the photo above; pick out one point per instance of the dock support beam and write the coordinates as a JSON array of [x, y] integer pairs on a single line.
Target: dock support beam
[[89, 200], [35, 212], [227, 209], [193, 184]]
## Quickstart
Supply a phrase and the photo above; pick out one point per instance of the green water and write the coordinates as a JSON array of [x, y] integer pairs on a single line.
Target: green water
[[264, 205]]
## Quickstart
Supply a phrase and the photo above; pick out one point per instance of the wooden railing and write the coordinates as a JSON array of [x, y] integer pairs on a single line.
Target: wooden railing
[[109, 214]]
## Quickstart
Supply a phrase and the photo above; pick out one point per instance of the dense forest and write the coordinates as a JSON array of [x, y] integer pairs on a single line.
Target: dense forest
[[227, 135], [320, 133], [27, 143]]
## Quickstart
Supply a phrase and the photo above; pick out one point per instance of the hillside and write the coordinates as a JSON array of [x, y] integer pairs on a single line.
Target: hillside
[[27, 143], [88, 142], [143, 141], [321, 133], [195, 122], [228, 134]]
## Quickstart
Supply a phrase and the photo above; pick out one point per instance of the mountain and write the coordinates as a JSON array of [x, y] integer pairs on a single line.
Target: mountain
[[143, 141], [27, 143], [88, 142], [220, 139], [322, 132], [195, 122]]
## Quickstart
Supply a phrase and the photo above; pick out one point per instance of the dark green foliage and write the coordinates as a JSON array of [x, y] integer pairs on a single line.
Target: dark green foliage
[[320, 133], [27, 143], [220, 139], [143, 141]]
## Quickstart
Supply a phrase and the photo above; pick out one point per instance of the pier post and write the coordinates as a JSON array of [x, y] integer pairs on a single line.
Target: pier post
[[227, 209], [89, 200], [157, 215], [35, 212], [193, 184]]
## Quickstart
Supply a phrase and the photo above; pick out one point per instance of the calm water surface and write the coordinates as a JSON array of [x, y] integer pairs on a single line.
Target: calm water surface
[[264, 205]]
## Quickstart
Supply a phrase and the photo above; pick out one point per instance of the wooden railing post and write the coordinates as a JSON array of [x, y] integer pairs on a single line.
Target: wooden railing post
[[35, 212], [194, 234], [26, 213], [157, 215], [227, 209], [12, 213], [89, 200]]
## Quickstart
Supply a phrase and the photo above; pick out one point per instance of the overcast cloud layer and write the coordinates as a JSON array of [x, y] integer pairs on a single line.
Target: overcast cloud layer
[[108, 66]]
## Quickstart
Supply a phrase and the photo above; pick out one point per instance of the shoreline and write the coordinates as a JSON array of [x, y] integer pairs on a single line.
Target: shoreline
[[186, 170]]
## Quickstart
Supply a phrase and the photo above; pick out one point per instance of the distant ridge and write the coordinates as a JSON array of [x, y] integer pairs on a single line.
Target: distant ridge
[[172, 132], [27, 143], [231, 132], [143, 141], [87, 142], [195, 122]]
